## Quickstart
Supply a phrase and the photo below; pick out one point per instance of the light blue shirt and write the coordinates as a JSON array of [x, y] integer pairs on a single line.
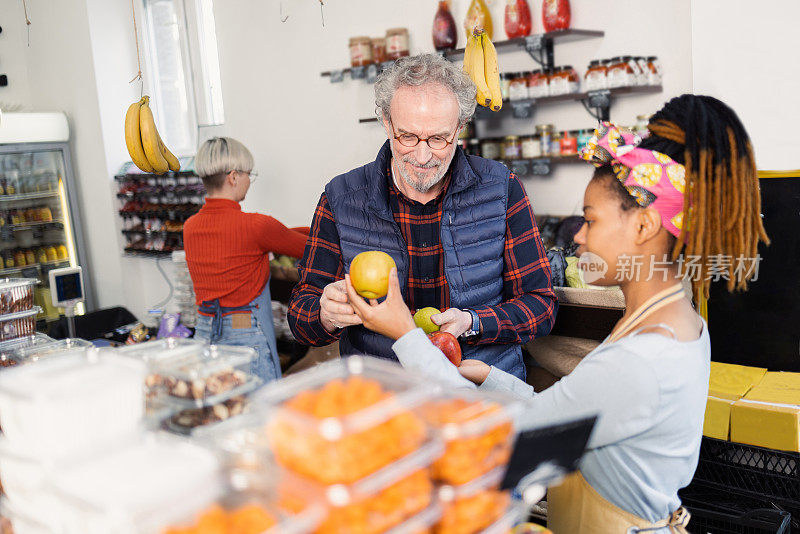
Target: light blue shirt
[[649, 392]]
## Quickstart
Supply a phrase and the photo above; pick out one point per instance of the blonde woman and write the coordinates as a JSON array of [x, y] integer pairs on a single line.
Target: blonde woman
[[227, 251]]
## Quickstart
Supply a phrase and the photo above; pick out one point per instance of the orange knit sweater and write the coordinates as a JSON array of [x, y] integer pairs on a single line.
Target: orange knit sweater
[[227, 251]]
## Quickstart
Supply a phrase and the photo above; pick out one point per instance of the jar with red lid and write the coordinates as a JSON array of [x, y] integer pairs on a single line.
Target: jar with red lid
[[653, 71], [559, 81], [573, 81], [619, 73], [360, 51], [538, 84], [518, 88], [595, 77], [396, 43], [635, 71], [641, 62], [379, 50], [568, 144]]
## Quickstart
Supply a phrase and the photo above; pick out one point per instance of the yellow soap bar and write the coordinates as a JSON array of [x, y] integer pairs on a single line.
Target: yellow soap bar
[[729, 381], [718, 418], [769, 415]]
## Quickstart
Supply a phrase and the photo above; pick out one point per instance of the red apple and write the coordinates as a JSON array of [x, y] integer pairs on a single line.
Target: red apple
[[448, 344]]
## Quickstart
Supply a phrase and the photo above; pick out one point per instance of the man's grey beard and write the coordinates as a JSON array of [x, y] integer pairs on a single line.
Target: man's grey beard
[[422, 187]]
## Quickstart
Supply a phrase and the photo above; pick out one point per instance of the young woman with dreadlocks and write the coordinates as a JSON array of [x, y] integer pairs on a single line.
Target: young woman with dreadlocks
[[687, 191]]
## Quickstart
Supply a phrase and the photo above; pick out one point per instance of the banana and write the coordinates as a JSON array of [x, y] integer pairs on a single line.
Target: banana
[[150, 138], [133, 138], [478, 73], [492, 71], [172, 161], [468, 53]]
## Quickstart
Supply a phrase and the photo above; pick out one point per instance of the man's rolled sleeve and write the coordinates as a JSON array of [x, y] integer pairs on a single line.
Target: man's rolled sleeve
[[321, 265], [530, 305]]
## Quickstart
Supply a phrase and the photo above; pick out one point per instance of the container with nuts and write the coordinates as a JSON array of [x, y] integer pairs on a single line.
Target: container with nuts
[[9, 350], [206, 384]]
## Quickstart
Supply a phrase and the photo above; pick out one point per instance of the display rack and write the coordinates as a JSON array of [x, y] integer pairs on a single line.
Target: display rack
[[154, 207]]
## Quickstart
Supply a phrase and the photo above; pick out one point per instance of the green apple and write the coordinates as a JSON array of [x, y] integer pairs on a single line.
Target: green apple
[[423, 319]]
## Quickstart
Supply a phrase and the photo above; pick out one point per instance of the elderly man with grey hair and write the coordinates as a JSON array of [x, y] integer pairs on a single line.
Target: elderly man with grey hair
[[460, 229]]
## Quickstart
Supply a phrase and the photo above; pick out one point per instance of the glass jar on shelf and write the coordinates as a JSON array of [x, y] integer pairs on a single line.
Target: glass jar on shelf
[[559, 80], [360, 51], [512, 147], [538, 84], [490, 148], [573, 81], [634, 70], [518, 88], [595, 77], [378, 49], [583, 138], [654, 75], [555, 144], [397, 43], [619, 73], [505, 84], [568, 145], [531, 147], [545, 134]]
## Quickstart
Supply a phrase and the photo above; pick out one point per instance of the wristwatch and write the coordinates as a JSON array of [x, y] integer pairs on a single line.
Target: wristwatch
[[476, 324]]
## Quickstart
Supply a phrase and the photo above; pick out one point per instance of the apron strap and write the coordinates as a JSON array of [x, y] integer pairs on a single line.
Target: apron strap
[[213, 307]]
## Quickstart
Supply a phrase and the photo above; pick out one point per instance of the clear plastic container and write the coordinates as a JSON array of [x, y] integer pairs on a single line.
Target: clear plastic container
[[251, 502], [422, 523], [63, 404], [8, 357], [157, 354], [345, 419], [140, 488], [22, 520], [241, 443], [61, 346], [16, 294], [477, 430], [185, 421], [374, 504], [510, 519], [474, 506], [15, 325], [206, 375]]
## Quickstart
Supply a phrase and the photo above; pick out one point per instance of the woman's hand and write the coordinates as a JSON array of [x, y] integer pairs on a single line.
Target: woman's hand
[[391, 317], [474, 370]]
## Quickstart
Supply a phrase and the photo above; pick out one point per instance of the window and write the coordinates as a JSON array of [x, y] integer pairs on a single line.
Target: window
[[184, 70]]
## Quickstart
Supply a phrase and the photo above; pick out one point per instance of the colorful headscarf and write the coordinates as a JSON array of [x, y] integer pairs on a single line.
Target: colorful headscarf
[[653, 179]]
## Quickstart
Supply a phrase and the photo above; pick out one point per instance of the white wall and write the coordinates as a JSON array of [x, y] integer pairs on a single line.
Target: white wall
[[13, 41], [303, 130], [745, 56]]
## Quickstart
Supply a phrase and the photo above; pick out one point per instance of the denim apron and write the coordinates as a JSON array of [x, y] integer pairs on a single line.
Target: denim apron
[[215, 325]]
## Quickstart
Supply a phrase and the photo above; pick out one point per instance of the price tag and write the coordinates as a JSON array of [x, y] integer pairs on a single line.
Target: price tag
[[534, 43], [522, 110], [519, 167], [372, 73], [547, 452], [358, 73], [540, 167], [598, 99], [337, 76]]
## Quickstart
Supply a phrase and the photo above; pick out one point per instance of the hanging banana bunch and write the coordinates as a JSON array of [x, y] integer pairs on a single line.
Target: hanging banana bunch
[[145, 146], [480, 63]]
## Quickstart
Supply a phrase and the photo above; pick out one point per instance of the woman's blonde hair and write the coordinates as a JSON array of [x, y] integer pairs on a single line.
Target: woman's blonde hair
[[219, 156]]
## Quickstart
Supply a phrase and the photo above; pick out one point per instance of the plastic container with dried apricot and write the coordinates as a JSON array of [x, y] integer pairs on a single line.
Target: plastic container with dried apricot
[[343, 420], [474, 506], [374, 504], [478, 432]]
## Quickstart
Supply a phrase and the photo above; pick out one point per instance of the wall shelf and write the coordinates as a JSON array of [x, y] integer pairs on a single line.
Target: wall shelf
[[539, 46]]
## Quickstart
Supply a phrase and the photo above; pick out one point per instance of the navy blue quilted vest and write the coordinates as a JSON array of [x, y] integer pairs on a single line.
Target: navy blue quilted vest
[[472, 233]]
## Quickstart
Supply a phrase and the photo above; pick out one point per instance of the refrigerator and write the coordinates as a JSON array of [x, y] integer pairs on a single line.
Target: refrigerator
[[40, 227]]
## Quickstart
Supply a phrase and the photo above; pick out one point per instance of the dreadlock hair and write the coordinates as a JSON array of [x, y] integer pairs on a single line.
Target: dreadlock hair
[[722, 200]]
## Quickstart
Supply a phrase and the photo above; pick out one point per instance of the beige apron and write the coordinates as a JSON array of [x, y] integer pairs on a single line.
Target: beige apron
[[574, 507]]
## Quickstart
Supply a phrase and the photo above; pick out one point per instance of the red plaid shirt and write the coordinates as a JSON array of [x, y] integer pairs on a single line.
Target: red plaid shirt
[[529, 305]]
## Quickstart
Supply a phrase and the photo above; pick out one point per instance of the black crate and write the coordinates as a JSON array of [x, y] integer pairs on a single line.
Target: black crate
[[750, 470], [700, 497], [762, 521]]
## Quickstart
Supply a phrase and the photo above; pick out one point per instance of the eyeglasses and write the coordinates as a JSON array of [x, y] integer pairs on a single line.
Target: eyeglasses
[[251, 174], [435, 142]]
